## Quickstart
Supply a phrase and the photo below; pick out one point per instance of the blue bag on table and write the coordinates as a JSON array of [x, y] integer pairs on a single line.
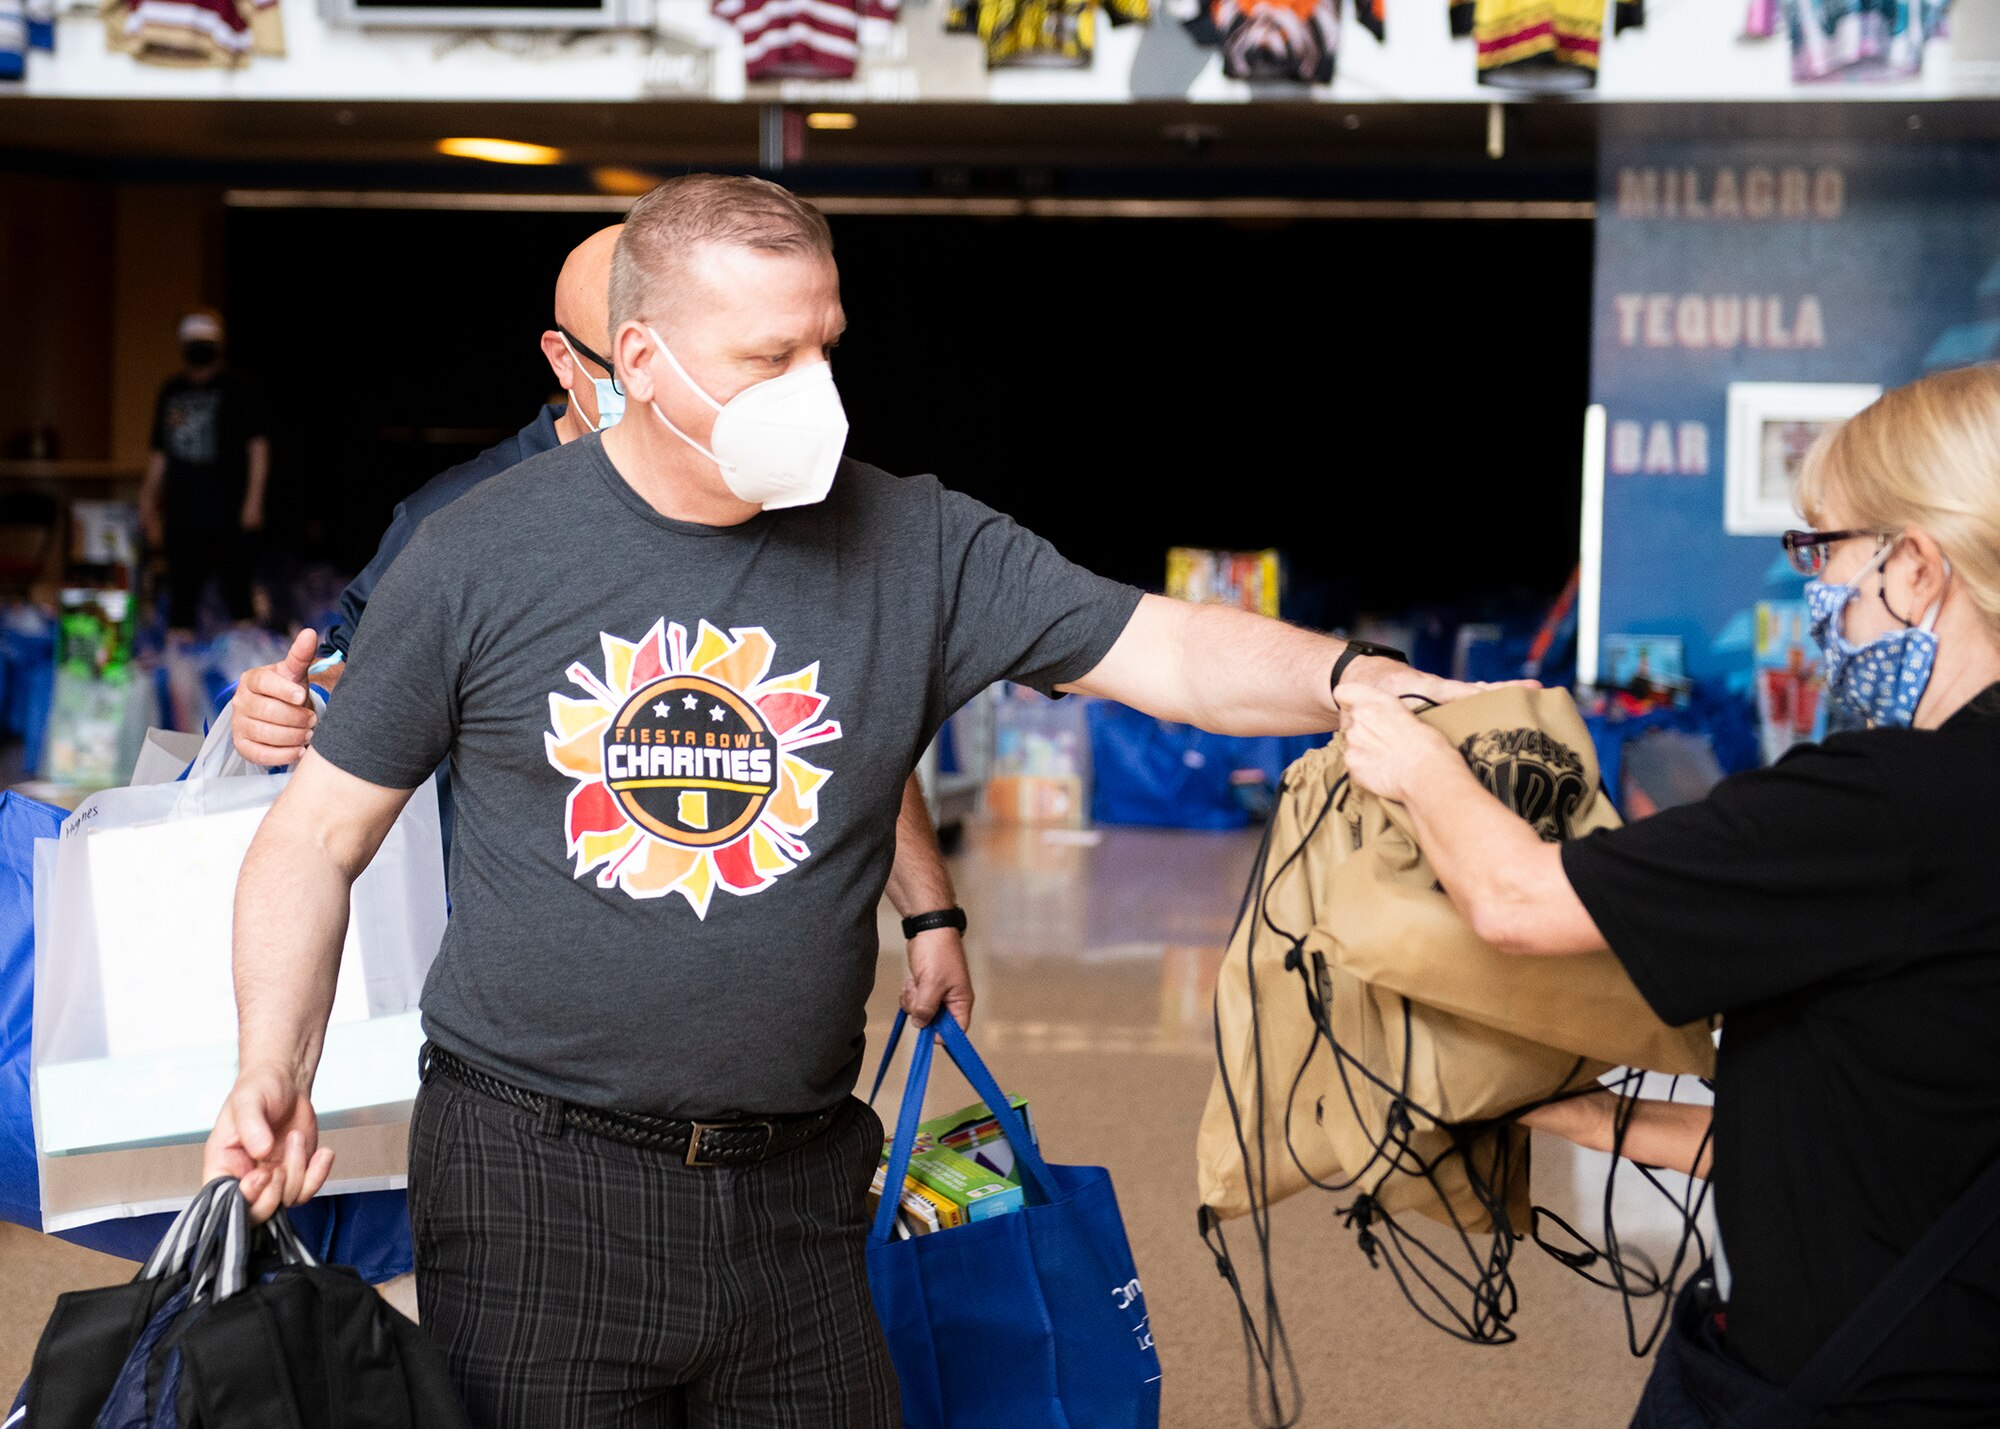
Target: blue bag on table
[[1152, 772], [1034, 1319]]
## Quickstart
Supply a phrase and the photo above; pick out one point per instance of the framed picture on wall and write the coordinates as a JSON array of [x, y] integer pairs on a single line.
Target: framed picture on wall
[[1771, 427]]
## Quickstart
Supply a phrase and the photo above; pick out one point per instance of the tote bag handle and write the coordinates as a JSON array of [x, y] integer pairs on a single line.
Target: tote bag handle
[[1034, 1170], [211, 1239]]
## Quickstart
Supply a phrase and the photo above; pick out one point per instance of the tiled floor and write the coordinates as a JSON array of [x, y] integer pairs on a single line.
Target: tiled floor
[[1094, 961]]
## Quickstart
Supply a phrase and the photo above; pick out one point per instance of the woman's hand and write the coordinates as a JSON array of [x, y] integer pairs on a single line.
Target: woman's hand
[[1388, 748]]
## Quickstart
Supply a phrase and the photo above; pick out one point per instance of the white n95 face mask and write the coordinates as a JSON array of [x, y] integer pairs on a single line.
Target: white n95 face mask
[[777, 443]]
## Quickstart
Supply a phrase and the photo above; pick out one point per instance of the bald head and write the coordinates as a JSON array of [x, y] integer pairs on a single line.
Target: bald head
[[583, 288]]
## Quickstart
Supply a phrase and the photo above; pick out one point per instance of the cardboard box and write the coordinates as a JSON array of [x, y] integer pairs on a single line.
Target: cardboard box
[[1053, 799], [961, 1170], [974, 1132], [923, 1210], [952, 1189]]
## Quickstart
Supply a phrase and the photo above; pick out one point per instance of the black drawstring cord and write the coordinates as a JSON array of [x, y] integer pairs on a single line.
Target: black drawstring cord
[[1260, 1354], [1473, 1300], [1264, 1352]]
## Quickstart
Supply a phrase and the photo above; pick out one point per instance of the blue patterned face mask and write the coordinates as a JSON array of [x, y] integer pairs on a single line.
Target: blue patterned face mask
[[1884, 680]]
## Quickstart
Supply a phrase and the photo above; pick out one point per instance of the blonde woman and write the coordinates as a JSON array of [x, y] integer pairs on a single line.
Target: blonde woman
[[1841, 912]]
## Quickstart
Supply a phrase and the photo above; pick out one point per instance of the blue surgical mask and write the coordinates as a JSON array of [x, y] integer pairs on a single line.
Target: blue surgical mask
[[610, 399], [610, 402], [1883, 681]]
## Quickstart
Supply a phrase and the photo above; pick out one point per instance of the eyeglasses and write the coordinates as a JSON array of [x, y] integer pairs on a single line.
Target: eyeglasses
[[582, 351], [1809, 551]]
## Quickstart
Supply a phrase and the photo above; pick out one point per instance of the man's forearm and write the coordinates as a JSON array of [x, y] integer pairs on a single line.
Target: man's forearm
[[1223, 670], [918, 880], [1249, 674], [291, 922]]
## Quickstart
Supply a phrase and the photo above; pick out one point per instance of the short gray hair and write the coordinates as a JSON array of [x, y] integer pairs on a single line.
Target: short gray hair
[[649, 267]]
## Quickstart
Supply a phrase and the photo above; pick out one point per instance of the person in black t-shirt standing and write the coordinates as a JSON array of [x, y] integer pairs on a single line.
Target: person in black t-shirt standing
[[203, 501], [1840, 912]]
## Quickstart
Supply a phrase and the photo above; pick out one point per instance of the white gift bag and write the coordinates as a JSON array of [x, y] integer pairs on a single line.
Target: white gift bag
[[164, 755], [134, 1045]]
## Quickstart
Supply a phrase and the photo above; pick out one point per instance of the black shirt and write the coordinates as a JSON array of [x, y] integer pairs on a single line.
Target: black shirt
[[427, 500], [1841, 912], [205, 429], [433, 496]]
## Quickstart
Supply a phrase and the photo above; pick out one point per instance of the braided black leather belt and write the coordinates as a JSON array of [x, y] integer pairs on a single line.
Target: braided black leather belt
[[697, 1143]]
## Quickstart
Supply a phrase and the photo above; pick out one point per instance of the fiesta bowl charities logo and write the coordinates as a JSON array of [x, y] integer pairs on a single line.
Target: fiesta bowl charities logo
[[1539, 778], [688, 776]]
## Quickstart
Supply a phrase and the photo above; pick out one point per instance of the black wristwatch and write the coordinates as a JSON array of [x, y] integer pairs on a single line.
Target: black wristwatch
[[1354, 651], [927, 922]]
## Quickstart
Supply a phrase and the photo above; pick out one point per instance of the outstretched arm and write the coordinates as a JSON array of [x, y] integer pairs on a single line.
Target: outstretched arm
[[920, 883], [1231, 672], [291, 920]]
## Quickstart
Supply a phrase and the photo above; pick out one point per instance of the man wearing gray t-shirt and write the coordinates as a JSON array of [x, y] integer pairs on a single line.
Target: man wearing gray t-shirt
[[681, 686]]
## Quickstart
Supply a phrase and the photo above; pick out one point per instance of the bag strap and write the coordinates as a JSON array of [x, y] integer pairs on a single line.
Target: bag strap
[[1026, 1154], [222, 1264], [291, 1249], [888, 1052], [190, 1231], [212, 1239], [905, 1137], [1899, 1292], [1034, 1170]]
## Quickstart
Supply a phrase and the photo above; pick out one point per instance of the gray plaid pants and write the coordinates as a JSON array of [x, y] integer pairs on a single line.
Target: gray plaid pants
[[575, 1282]]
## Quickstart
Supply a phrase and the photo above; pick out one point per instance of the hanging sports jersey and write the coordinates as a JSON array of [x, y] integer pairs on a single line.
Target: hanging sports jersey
[[1043, 34], [1541, 46], [194, 34], [805, 39], [24, 25], [1852, 39], [1277, 39]]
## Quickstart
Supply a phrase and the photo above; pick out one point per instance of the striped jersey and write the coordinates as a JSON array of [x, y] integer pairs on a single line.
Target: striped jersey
[[24, 25], [805, 39], [1541, 46], [220, 34]]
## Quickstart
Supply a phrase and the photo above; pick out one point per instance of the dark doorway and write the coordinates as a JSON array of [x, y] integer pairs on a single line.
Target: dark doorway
[[1395, 404]]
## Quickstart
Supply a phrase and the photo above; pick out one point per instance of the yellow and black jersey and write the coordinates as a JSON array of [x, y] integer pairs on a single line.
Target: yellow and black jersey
[[1053, 34], [1541, 46]]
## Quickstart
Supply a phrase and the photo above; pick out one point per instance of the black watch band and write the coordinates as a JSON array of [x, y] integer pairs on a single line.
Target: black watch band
[[927, 922], [1354, 651]]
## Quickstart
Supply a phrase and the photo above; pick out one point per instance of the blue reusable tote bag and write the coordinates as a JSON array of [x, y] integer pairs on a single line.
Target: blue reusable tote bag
[[1034, 1320]]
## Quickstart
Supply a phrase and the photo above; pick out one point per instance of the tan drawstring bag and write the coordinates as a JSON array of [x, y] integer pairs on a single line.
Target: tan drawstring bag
[[1368, 1040]]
